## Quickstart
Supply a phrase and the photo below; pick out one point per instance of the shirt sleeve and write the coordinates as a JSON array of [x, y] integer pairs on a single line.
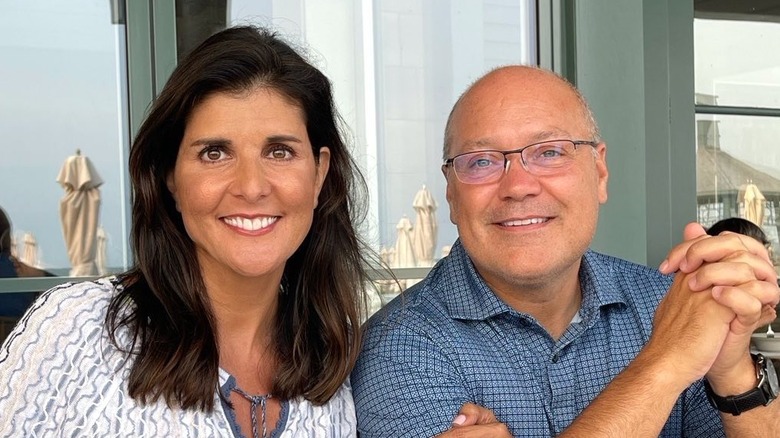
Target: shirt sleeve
[[49, 357], [404, 383]]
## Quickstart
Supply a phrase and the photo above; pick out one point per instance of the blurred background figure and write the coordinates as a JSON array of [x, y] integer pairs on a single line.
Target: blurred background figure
[[747, 228], [13, 305], [740, 226], [11, 266]]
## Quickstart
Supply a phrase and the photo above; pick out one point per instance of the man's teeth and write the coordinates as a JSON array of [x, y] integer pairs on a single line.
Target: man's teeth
[[536, 220], [250, 224]]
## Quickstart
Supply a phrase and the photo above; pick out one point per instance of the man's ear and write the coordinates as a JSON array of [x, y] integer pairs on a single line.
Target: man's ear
[[603, 172]]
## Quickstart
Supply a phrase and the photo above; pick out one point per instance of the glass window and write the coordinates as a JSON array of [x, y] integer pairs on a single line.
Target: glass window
[[63, 89], [737, 167], [734, 63], [738, 115], [397, 68]]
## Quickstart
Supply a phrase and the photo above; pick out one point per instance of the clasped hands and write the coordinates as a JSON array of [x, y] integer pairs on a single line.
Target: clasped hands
[[724, 288]]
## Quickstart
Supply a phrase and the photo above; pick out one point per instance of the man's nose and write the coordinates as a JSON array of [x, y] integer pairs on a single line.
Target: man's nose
[[517, 182]]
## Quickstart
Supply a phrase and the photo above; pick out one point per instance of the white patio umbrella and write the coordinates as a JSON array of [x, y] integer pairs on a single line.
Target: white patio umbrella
[[387, 286], [754, 202], [14, 248], [425, 227], [30, 250], [403, 256], [100, 257], [79, 210]]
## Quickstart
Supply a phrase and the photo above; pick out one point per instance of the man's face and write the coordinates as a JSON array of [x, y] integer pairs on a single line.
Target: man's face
[[524, 231]]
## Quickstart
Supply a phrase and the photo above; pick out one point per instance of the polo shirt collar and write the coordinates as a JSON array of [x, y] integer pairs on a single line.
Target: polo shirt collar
[[468, 297]]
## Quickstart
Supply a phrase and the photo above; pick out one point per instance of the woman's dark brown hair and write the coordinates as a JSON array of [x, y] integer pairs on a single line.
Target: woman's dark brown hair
[[163, 307]]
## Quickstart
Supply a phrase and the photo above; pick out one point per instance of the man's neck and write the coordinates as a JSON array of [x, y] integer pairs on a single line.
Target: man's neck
[[553, 304]]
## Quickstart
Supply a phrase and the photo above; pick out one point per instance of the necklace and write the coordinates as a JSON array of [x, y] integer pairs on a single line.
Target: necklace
[[255, 401]]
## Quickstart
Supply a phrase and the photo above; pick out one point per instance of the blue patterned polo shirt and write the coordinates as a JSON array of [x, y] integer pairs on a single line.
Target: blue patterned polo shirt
[[449, 340]]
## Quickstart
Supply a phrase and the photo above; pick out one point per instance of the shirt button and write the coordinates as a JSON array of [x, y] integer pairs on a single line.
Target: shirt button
[[554, 358]]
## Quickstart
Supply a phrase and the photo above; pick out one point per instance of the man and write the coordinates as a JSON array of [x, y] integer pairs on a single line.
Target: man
[[522, 319]]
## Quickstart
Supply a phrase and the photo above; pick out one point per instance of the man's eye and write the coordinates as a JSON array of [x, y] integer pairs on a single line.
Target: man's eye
[[481, 162], [550, 153]]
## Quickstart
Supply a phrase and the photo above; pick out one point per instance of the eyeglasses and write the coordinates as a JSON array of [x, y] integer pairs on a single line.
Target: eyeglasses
[[541, 159]]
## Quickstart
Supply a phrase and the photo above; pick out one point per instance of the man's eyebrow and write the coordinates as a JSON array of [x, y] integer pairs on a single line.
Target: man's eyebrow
[[552, 134], [488, 142], [479, 143]]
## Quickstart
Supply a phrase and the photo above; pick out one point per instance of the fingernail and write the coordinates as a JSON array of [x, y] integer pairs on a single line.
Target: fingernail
[[664, 265], [459, 420]]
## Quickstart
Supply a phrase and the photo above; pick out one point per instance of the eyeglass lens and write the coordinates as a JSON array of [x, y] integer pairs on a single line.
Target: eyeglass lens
[[538, 159]]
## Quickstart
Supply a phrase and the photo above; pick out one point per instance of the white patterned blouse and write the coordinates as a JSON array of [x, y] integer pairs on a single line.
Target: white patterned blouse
[[61, 377]]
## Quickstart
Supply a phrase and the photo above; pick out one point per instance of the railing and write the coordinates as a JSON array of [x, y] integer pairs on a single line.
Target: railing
[[40, 284]]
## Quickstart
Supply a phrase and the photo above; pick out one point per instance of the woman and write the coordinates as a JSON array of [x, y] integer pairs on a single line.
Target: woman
[[241, 314]]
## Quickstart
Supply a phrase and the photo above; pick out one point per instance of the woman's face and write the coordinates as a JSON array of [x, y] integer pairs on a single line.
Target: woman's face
[[246, 182]]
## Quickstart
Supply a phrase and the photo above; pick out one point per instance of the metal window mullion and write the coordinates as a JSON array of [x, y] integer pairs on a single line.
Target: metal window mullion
[[737, 110]]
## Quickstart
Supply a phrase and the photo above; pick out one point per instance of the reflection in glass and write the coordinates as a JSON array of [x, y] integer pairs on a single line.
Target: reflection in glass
[[735, 60], [63, 88], [738, 171]]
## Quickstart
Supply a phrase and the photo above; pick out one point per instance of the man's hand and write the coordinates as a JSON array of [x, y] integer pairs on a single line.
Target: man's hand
[[475, 421], [737, 272]]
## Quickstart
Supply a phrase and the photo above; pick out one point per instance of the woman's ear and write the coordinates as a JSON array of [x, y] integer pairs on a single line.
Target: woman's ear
[[323, 164], [171, 183]]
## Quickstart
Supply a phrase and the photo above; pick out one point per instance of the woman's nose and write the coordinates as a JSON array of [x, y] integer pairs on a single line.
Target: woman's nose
[[250, 180]]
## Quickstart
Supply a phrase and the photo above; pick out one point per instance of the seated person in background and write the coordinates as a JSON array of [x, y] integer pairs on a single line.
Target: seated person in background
[[13, 304], [241, 315], [10, 266], [745, 227], [740, 226], [557, 340]]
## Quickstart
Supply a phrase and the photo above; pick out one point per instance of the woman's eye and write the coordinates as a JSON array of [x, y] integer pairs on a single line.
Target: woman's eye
[[281, 153], [213, 154]]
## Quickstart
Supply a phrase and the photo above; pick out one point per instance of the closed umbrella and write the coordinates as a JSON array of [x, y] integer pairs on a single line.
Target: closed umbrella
[[754, 202], [425, 227], [403, 256], [14, 249], [79, 210], [30, 253], [100, 257], [387, 286]]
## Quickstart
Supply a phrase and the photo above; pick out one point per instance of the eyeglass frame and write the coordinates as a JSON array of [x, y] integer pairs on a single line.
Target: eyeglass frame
[[449, 162]]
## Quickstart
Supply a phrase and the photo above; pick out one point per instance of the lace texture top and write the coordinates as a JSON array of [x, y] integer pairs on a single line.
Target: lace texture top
[[62, 377]]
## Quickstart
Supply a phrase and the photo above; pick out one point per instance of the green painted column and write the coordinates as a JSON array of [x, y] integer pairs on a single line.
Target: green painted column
[[633, 61]]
